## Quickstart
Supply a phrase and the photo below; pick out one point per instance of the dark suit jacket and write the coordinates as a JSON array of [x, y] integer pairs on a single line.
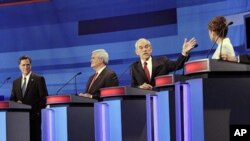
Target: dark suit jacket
[[244, 58], [160, 66], [107, 78], [35, 94]]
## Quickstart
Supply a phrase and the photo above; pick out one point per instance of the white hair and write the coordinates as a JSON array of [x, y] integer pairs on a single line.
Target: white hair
[[142, 39], [101, 53]]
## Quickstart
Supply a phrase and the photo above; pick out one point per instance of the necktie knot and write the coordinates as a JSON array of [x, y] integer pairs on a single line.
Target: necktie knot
[[145, 63]]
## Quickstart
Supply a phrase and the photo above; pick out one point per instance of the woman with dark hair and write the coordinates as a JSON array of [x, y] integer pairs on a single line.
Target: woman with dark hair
[[217, 29]]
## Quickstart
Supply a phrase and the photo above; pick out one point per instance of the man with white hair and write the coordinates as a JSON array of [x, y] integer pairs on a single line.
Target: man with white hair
[[144, 71], [103, 77]]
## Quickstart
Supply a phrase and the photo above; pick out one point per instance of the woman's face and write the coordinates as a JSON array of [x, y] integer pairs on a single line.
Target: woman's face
[[212, 35]]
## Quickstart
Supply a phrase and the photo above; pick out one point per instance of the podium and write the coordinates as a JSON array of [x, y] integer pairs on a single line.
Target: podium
[[68, 118], [210, 68], [210, 103], [165, 110], [14, 121], [122, 115]]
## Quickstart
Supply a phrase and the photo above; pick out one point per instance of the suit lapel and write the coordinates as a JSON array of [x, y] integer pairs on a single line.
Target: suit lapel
[[30, 83], [19, 84], [154, 65], [98, 80]]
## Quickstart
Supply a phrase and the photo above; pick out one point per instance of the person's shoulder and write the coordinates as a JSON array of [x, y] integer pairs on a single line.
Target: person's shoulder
[[135, 63], [35, 75], [17, 79], [159, 58], [227, 42], [107, 69]]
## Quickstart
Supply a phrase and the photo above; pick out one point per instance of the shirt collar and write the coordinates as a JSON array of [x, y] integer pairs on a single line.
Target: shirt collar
[[149, 60], [100, 70], [27, 76]]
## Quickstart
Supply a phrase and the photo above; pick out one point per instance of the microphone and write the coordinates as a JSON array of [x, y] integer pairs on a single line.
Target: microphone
[[221, 32], [74, 77], [230, 23], [196, 45], [8, 78]]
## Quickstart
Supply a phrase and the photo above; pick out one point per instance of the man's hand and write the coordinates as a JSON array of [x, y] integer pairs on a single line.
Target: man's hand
[[85, 95], [146, 86], [19, 101], [188, 45]]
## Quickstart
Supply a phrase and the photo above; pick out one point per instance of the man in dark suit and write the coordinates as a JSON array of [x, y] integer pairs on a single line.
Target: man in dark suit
[[103, 77], [243, 58], [30, 89], [147, 68]]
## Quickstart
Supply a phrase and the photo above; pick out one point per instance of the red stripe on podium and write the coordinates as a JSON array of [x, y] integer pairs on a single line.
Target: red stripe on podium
[[4, 104], [57, 99], [164, 80], [196, 66], [112, 91]]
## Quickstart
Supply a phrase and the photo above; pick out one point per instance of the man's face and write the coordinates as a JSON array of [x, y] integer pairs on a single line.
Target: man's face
[[143, 50], [25, 66], [95, 61]]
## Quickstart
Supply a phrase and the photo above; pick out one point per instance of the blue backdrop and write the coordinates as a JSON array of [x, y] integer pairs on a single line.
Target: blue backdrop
[[60, 35]]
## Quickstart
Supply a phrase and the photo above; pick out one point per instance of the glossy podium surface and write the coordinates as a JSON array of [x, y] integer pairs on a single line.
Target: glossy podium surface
[[68, 118], [216, 68], [68, 99], [123, 91], [14, 117], [122, 116]]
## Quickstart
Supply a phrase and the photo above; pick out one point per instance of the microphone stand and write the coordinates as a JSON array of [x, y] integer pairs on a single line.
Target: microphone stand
[[75, 87], [5, 81], [214, 44], [68, 82]]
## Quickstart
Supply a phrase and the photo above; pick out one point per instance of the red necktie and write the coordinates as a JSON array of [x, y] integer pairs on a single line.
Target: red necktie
[[92, 81], [146, 70]]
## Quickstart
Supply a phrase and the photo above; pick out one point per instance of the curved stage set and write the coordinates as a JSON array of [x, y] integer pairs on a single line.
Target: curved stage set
[[206, 104]]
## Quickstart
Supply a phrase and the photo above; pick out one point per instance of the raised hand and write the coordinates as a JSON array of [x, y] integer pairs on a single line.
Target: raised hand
[[188, 45]]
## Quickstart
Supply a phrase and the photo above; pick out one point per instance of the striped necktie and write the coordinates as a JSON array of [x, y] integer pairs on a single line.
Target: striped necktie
[[24, 86]]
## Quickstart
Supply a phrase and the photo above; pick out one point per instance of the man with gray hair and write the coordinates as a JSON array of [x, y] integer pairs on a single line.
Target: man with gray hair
[[103, 77], [144, 71]]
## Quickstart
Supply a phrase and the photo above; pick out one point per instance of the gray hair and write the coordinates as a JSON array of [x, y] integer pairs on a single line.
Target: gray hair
[[102, 54], [142, 39]]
